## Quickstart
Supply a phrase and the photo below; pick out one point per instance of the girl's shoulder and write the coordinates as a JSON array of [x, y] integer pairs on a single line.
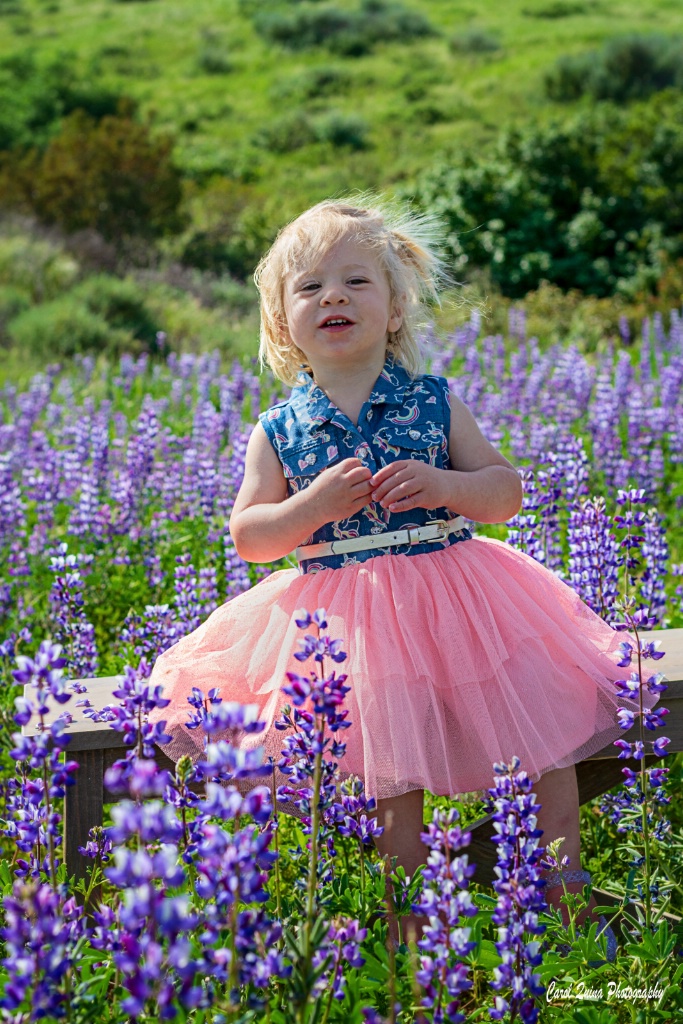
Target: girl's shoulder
[[428, 389], [287, 422]]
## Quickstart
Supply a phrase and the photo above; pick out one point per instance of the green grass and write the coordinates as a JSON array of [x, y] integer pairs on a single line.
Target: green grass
[[418, 100]]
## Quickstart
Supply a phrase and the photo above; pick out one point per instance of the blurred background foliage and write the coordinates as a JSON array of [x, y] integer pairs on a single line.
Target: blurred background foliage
[[151, 149]]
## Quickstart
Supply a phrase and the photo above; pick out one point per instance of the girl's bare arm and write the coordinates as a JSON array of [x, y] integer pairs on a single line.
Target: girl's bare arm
[[483, 485], [263, 525], [266, 524]]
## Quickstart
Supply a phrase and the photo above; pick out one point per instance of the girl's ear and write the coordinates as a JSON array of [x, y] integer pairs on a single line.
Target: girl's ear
[[395, 320], [283, 333]]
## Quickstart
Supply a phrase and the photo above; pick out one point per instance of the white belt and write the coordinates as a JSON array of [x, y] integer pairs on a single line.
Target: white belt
[[436, 531]]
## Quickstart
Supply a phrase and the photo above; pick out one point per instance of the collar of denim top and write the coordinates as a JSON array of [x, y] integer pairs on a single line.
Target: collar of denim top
[[388, 389]]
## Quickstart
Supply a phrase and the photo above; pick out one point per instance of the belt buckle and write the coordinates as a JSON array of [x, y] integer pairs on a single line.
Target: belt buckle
[[413, 539], [443, 530]]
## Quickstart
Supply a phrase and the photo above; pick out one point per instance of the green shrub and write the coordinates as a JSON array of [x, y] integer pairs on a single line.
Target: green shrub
[[35, 266], [33, 98], [231, 230], [109, 175], [13, 301], [626, 68], [313, 83], [430, 113], [121, 303], [561, 9], [101, 314], [351, 33], [60, 329], [291, 131], [342, 130], [212, 58], [303, 29], [474, 40], [236, 297], [595, 204]]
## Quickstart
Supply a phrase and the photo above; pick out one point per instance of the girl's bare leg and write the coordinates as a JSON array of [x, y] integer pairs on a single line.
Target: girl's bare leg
[[558, 793], [402, 820]]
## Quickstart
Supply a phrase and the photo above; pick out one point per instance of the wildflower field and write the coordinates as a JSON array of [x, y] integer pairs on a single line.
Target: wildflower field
[[210, 906]]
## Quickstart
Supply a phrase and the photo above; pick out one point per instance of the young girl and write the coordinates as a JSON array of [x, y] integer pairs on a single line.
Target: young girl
[[461, 650]]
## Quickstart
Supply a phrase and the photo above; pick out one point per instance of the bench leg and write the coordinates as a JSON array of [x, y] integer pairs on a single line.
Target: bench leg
[[83, 810]]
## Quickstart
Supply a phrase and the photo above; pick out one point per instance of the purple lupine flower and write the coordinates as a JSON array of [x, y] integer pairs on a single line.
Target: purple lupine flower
[[236, 569], [207, 590], [186, 597], [98, 847], [33, 823], [655, 551], [42, 936], [520, 892], [340, 945], [72, 628], [130, 717], [594, 558], [147, 635], [351, 813], [523, 529], [445, 900], [625, 809]]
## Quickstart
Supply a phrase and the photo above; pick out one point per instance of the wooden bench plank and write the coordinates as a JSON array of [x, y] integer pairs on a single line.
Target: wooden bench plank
[[85, 734], [83, 807]]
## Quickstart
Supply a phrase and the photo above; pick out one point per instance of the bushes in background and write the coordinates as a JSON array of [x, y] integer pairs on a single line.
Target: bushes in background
[[101, 314], [313, 83], [231, 231], [213, 57], [33, 98], [591, 204], [626, 68], [296, 129], [350, 33], [111, 175], [36, 267], [474, 40]]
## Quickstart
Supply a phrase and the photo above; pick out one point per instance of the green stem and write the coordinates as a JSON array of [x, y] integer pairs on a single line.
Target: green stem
[[392, 983], [362, 882], [93, 874], [329, 998], [276, 816], [570, 909], [233, 977], [647, 895], [313, 858], [50, 839]]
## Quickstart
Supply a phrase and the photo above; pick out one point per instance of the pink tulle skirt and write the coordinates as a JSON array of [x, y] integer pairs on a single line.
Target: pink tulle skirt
[[457, 658]]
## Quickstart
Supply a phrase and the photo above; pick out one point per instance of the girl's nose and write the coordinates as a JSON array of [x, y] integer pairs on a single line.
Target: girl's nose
[[333, 294]]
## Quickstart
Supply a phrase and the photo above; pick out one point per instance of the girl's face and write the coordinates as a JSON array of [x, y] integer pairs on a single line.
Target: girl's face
[[340, 311]]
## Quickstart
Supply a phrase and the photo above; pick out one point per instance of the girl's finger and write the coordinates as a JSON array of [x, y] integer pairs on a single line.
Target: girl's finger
[[402, 505]]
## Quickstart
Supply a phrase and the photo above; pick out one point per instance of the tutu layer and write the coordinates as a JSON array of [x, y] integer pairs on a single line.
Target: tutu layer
[[456, 659]]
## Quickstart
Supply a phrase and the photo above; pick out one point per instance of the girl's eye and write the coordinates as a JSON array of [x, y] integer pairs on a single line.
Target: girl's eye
[[358, 280]]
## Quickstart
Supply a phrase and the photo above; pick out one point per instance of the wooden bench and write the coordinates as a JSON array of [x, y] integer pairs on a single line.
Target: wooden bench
[[96, 746]]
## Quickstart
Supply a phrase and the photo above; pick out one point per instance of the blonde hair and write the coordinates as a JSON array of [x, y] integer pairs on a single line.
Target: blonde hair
[[405, 244]]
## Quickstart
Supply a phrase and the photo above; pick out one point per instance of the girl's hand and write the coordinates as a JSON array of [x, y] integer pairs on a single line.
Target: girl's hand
[[340, 491], [408, 483]]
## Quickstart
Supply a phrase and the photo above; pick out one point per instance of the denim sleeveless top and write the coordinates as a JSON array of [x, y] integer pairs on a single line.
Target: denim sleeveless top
[[402, 419]]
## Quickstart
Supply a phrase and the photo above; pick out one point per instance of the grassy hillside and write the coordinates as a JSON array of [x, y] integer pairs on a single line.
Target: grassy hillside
[[260, 130], [204, 72]]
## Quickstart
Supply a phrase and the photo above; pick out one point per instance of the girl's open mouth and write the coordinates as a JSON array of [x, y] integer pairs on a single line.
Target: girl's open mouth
[[336, 323]]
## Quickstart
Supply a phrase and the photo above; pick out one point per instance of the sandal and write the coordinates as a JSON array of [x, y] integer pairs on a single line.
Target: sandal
[[553, 881]]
